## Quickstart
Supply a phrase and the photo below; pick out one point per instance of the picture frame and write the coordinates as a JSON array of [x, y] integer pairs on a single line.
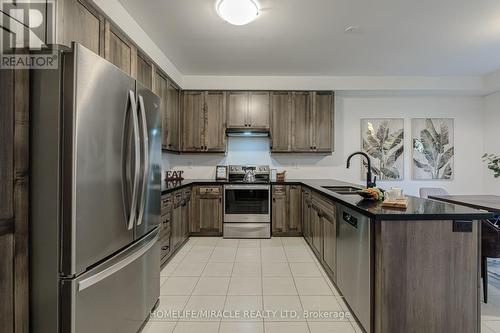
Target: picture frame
[[383, 139], [221, 172], [433, 148]]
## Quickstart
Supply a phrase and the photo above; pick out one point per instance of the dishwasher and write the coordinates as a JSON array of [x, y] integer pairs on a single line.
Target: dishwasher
[[354, 263]]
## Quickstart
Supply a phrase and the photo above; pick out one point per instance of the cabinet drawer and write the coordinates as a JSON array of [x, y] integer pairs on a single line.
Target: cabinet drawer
[[210, 192], [166, 201], [279, 190], [177, 199], [166, 222], [186, 195], [325, 205], [164, 246]]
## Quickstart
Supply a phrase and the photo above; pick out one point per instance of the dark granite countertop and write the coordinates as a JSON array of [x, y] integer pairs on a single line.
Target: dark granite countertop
[[491, 203], [418, 209]]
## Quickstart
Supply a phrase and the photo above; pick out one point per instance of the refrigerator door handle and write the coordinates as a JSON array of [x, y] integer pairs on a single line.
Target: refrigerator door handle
[[137, 158], [103, 274], [145, 176]]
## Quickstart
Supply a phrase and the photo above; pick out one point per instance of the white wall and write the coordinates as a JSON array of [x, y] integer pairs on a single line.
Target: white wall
[[491, 139], [349, 109]]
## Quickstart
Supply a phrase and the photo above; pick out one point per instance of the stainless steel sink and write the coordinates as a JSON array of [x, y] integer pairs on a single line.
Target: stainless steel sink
[[343, 189]]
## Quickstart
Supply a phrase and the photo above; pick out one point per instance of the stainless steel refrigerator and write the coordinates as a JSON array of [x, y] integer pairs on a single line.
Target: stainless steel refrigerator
[[95, 197]]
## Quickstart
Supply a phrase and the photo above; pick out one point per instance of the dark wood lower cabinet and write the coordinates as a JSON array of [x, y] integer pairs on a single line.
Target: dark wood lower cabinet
[[425, 276], [7, 282], [176, 233], [327, 216], [286, 210], [206, 211], [185, 213], [306, 214], [165, 227], [316, 231]]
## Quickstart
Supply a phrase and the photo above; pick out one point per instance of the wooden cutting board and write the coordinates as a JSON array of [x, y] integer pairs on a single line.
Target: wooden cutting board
[[398, 203]]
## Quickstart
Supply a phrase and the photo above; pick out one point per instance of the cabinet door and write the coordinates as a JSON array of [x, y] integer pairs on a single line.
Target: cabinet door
[[294, 222], [175, 236], [161, 90], [206, 210], [237, 110], [279, 209], [119, 50], [185, 221], [301, 122], [78, 21], [193, 116], [323, 121], [215, 119], [280, 121], [173, 114], [330, 239], [317, 231], [258, 109], [306, 214], [144, 71]]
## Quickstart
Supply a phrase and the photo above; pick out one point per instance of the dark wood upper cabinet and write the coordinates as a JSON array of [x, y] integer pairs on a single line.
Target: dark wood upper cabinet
[[79, 21], [119, 50], [248, 109], [237, 109], [204, 115], [302, 127], [169, 95], [145, 70], [193, 120], [281, 119], [311, 129], [258, 109], [215, 121], [323, 109], [173, 141]]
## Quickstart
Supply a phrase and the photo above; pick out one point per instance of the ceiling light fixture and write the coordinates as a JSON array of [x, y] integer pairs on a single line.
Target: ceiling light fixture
[[237, 12]]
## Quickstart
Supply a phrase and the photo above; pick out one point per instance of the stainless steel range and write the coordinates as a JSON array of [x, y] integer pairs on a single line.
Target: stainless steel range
[[247, 203]]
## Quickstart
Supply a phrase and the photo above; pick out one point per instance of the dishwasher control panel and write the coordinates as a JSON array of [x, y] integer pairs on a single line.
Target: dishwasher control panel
[[352, 220]]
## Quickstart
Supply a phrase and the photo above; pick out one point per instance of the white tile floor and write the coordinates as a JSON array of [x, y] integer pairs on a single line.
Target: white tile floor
[[490, 313], [241, 277], [252, 286]]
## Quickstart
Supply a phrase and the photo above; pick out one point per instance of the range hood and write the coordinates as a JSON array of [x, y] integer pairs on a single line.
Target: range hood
[[247, 133]]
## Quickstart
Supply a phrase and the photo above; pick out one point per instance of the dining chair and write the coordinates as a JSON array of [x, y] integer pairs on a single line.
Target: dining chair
[[490, 248], [425, 192]]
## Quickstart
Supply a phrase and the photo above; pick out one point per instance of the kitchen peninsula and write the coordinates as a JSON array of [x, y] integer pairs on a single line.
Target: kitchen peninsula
[[381, 260]]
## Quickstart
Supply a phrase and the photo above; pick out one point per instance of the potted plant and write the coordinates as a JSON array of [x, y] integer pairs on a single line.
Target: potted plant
[[493, 162]]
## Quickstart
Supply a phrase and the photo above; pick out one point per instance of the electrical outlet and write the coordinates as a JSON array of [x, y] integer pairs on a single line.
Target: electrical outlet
[[462, 226]]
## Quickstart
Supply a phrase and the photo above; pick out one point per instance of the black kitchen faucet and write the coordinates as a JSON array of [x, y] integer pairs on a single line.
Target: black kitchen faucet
[[369, 182]]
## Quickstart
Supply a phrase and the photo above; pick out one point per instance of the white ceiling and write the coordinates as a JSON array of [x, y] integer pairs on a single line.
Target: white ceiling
[[292, 37]]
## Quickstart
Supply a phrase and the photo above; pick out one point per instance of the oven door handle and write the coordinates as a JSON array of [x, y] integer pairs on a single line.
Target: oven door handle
[[247, 187]]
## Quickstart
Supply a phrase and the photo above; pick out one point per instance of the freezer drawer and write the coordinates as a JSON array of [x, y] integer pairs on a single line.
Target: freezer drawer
[[116, 296]]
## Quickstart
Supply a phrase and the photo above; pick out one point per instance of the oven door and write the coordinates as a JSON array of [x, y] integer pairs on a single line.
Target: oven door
[[247, 203]]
